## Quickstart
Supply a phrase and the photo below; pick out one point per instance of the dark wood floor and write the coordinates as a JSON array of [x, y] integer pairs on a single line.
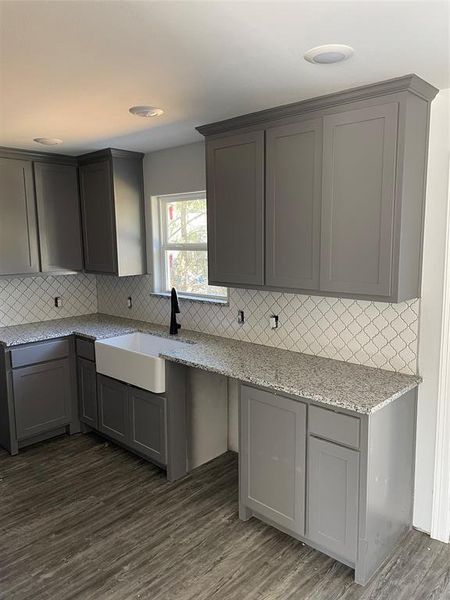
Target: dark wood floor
[[83, 519]]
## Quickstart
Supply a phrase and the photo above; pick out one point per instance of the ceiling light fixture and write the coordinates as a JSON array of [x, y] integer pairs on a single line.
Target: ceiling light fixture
[[328, 54], [48, 141], [146, 111]]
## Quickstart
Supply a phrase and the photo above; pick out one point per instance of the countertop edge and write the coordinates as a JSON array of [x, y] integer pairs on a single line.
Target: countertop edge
[[295, 392]]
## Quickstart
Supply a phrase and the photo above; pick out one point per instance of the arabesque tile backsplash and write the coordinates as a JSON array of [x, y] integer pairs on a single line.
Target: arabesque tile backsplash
[[30, 299], [370, 333]]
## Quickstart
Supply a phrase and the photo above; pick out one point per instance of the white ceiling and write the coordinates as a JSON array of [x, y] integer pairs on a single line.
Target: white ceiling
[[72, 69]]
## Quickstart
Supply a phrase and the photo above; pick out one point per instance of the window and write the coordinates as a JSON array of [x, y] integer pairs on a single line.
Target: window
[[182, 256]]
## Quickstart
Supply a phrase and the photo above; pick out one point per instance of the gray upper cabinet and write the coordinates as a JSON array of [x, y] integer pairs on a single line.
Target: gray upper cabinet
[[100, 251], [358, 200], [18, 225], [235, 197], [58, 210], [293, 181], [112, 205], [272, 457], [343, 196]]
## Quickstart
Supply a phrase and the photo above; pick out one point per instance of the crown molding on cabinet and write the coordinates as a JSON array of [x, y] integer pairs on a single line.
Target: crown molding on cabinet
[[411, 83]]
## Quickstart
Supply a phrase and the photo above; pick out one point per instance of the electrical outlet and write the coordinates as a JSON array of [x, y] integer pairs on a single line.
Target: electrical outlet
[[240, 317], [130, 302], [274, 321], [58, 301]]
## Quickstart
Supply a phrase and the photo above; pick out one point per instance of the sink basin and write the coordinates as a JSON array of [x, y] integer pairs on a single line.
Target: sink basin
[[134, 358]]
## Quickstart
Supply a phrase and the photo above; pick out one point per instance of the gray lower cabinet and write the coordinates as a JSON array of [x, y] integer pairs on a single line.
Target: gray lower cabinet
[[19, 253], [147, 414], [42, 397], [113, 408], [293, 186], [235, 197], [358, 200], [58, 207], [333, 474], [272, 457], [87, 392], [353, 499], [135, 417]]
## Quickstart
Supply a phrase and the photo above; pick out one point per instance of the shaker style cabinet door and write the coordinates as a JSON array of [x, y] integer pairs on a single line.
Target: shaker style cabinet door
[[97, 209], [272, 457], [87, 391], [41, 397], [19, 252], [113, 408], [358, 192], [235, 199], [333, 476], [293, 203], [148, 424], [58, 208]]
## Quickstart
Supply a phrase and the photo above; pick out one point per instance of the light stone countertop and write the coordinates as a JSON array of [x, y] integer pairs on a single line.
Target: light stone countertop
[[336, 383]]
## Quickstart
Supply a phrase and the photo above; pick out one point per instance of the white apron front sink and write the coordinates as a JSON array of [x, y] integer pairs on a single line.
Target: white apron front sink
[[134, 358]]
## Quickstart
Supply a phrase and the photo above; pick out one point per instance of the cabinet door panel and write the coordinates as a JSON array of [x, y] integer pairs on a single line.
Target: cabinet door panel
[[358, 200], [97, 207], [333, 475], [148, 424], [293, 199], [41, 397], [18, 226], [58, 207], [272, 457], [87, 392], [235, 198], [113, 407]]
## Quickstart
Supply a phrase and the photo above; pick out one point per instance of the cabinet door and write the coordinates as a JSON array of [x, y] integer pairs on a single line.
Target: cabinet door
[[18, 228], [58, 207], [41, 397], [235, 199], [333, 475], [293, 204], [358, 200], [272, 457], [98, 217], [148, 424], [113, 408], [87, 392]]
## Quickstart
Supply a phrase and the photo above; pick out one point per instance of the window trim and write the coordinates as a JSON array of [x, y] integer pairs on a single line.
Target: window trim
[[161, 246]]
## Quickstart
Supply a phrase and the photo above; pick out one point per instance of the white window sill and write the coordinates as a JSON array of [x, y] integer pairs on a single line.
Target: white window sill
[[219, 301]]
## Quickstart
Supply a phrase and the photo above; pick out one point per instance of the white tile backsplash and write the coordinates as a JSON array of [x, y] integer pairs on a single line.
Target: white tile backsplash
[[370, 333], [30, 299]]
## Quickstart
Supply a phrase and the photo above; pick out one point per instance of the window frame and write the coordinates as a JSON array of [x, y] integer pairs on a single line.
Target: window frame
[[163, 245]]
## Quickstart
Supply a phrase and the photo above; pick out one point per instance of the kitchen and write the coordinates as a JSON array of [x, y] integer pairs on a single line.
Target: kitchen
[[278, 442]]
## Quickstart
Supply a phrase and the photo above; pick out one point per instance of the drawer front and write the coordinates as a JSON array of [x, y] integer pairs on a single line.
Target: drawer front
[[85, 349], [334, 426], [39, 352]]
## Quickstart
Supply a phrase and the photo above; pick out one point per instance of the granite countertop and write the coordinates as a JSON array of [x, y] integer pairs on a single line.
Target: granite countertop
[[336, 383]]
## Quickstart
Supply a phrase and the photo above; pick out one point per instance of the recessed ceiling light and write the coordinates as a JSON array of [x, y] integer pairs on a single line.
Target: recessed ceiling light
[[48, 141], [146, 111], [328, 54]]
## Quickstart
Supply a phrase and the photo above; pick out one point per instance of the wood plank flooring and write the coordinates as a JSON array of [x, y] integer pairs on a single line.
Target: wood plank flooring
[[85, 520]]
